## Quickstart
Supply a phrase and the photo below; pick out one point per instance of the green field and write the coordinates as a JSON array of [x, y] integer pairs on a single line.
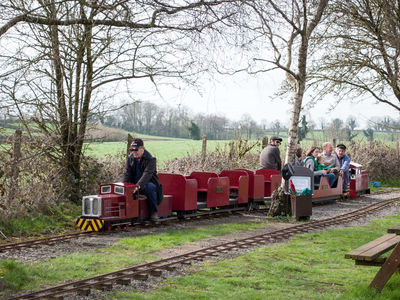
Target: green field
[[163, 149]]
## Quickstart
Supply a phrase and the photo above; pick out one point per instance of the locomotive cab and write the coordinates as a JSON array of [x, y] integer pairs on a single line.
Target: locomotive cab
[[358, 180], [114, 202]]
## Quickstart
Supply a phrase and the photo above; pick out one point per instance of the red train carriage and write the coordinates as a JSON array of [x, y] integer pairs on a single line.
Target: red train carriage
[[238, 186], [256, 185], [183, 191], [212, 190], [115, 205], [272, 179]]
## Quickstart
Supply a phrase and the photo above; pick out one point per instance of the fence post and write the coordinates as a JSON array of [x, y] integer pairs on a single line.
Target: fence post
[[14, 164], [334, 143], [130, 139], [204, 149], [397, 149], [264, 142]]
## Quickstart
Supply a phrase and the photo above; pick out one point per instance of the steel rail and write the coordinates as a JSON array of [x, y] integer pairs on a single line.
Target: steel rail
[[60, 238], [54, 239], [143, 270], [43, 241]]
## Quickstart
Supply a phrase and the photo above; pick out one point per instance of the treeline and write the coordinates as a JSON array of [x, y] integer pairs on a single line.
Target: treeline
[[148, 118], [151, 119]]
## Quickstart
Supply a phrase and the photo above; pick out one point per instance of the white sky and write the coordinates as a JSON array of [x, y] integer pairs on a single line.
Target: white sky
[[233, 96]]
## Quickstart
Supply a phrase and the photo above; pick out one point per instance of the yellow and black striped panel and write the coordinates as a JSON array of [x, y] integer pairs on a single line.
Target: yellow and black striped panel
[[89, 224]]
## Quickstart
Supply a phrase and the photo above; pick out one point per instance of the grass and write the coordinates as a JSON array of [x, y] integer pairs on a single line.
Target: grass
[[127, 252], [55, 220], [163, 150], [310, 266]]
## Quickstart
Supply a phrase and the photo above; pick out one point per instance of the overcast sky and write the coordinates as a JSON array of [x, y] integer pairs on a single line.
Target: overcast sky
[[233, 96]]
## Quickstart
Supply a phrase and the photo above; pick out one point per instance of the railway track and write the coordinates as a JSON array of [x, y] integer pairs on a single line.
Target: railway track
[[43, 241], [141, 272], [62, 238]]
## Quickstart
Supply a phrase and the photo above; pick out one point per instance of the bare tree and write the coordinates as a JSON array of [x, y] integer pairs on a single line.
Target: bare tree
[[276, 127], [363, 51], [335, 129], [65, 60], [350, 126], [286, 29]]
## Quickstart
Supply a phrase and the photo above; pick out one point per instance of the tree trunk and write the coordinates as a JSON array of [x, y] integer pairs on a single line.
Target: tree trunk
[[14, 166]]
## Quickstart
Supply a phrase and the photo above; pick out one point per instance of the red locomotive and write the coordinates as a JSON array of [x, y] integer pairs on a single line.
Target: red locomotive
[[200, 192]]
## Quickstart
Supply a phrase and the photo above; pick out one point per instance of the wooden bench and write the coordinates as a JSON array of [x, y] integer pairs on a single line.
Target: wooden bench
[[370, 255]]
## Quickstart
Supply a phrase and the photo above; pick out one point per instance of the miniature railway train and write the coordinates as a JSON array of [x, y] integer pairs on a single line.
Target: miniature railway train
[[200, 192]]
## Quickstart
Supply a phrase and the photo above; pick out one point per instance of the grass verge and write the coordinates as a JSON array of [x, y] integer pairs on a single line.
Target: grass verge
[[56, 219], [310, 266], [16, 276]]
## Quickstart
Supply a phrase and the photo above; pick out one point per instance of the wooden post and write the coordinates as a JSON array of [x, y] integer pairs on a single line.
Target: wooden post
[[386, 271], [14, 164], [204, 149], [334, 143], [264, 142], [130, 139], [397, 149]]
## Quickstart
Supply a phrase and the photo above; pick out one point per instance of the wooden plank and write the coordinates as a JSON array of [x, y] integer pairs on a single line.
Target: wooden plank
[[373, 249], [395, 229], [387, 269], [380, 249], [376, 262], [356, 252]]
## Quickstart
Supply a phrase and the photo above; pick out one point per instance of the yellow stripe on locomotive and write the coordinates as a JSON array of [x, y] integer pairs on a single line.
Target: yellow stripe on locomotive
[[89, 224]]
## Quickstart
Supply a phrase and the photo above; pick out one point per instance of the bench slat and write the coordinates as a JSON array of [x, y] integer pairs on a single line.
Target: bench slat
[[395, 229], [375, 248]]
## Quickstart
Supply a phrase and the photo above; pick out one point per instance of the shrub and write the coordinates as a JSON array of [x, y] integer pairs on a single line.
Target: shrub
[[235, 155], [380, 160]]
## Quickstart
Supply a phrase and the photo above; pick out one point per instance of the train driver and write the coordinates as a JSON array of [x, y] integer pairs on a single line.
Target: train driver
[[141, 170]]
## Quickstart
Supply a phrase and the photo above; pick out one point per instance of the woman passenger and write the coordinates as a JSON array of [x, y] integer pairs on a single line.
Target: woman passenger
[[311, 162]]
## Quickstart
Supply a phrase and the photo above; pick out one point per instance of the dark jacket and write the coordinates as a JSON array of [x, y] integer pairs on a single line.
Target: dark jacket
[[270, 158], [149, 172]]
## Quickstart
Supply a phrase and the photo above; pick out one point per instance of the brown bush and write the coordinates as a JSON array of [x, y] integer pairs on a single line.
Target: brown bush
[[379, 159], [40, 181], [235, 155]]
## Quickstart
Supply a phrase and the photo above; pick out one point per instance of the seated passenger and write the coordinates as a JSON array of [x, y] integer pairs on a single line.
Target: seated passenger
[[344, 161], [331, 160], [311, 162], [270, 157], [298, 160], [320, 163]]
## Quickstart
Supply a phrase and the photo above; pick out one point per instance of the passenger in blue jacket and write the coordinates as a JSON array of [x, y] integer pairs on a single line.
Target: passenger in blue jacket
[[141, 170], [344, 165]]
